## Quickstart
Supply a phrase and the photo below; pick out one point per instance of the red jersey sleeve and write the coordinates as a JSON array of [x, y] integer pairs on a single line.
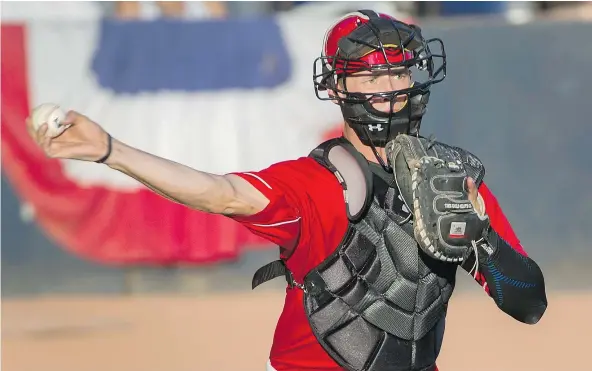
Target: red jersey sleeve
[[498, 220], [280, 221], [500, 224]]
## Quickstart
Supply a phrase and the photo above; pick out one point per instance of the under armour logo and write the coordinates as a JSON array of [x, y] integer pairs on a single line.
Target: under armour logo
[[488, 249], [457, 229], [378, 127]]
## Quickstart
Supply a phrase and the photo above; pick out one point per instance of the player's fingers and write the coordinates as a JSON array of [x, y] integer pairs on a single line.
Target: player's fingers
[[46, 146], [71, 118], [472, 189], [474, 195], [40, 134]]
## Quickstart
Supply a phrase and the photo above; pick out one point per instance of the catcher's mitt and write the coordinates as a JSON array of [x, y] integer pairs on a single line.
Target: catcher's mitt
[[433, 185]]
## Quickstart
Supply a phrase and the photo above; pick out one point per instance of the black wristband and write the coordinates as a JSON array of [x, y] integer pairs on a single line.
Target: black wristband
[[109, 147]]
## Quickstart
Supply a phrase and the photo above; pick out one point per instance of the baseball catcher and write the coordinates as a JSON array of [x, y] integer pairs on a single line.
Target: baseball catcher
[[372, 226]]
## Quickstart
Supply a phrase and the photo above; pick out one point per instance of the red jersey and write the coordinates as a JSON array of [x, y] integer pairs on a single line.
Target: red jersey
[[306, 215]]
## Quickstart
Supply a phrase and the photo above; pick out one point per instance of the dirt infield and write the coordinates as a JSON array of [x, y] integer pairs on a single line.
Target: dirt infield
[[230, 333]]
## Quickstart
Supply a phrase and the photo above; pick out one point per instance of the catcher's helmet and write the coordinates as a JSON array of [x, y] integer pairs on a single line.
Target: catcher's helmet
[[368, 41]]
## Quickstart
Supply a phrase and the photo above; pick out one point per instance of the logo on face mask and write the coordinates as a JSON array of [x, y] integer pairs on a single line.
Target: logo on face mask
[[377, 127]]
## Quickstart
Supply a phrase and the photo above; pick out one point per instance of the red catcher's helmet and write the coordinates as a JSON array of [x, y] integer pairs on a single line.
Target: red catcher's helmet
[[367, 54], [368, 41]]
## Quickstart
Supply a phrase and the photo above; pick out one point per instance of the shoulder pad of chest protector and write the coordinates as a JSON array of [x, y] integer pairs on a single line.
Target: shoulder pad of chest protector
[[351, 170]]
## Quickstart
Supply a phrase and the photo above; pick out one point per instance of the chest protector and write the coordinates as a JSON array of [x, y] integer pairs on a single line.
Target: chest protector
[[377, 303]]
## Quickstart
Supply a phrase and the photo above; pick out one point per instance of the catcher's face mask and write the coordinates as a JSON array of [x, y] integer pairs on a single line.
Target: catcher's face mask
[[398, 56], [377, 81]]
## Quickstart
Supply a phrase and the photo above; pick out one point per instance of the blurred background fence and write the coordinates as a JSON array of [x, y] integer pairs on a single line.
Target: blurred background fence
[[227, 86], [516, 94]]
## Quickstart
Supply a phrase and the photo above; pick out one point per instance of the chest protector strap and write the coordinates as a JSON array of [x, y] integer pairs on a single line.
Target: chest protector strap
[[353, 173]]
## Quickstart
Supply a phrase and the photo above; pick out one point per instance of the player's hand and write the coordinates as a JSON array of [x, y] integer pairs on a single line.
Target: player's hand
[[84, 140], [474, 196]]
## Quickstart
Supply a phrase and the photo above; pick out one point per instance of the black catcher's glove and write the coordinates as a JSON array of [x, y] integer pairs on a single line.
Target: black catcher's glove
[[433, 185]]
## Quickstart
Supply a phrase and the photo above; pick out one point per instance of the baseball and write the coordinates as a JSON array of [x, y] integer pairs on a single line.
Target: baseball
[[51, 114]]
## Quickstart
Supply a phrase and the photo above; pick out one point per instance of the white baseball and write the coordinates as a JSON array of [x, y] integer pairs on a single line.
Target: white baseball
[[51, 114]]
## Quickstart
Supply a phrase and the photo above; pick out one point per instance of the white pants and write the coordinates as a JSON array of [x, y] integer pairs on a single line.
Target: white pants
[[269, 367]]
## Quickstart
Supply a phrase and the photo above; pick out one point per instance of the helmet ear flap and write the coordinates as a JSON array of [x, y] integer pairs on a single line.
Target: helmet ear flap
[[422, 64]]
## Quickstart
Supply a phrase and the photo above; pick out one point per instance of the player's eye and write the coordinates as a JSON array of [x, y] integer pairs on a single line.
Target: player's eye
[[372, 79], [400, 75]]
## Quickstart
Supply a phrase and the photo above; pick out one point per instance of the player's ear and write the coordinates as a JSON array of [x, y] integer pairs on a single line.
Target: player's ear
[[334, 88], [333, 95]]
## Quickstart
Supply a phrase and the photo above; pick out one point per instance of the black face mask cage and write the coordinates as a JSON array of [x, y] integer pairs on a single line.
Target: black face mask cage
[[328, 70], [390, 38]]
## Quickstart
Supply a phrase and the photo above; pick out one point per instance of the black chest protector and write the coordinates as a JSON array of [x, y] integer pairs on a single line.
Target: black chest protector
[[377, 303]]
